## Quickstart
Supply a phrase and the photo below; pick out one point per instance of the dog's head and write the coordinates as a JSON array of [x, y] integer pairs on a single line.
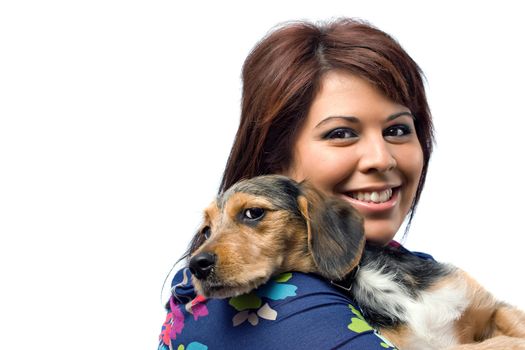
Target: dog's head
[[271, 224]]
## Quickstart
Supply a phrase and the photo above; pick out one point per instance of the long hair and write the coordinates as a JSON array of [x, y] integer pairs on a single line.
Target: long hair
[[282, 75]]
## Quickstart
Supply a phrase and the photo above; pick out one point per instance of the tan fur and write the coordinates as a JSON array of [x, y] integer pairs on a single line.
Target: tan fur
[[475, 323], [211, 213], [248, 256]]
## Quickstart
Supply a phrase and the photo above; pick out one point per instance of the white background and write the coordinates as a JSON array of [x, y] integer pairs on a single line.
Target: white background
[[116, 122]]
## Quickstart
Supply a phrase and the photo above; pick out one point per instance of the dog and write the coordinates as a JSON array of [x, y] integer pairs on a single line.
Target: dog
[[270, 224]]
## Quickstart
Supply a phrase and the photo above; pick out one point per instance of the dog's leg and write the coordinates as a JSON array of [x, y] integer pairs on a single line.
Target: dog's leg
[[501, 342], [509, 321], [508, 331], [486, 317]]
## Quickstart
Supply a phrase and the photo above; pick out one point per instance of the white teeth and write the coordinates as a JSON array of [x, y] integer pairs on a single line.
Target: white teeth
[[376, 197]]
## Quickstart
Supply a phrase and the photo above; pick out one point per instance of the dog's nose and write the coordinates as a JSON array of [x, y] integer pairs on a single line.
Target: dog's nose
[[202, 264]]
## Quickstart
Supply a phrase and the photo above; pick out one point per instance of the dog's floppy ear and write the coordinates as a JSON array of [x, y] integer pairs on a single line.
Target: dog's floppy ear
[[335, 232]]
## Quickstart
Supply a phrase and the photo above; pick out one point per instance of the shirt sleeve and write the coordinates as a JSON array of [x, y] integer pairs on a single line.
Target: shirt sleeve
[[292, 311]]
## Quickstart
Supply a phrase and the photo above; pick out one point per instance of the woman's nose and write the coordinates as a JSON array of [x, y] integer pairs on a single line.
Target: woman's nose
[[376, 156]]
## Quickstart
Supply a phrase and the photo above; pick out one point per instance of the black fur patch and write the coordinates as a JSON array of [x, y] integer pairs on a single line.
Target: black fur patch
[[337, 236]]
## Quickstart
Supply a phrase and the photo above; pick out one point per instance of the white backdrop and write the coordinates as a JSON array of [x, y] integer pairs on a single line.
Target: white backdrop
[[116, 119]]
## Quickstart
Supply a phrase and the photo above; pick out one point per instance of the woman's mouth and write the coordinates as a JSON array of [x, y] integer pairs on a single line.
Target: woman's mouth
[[373, 202]]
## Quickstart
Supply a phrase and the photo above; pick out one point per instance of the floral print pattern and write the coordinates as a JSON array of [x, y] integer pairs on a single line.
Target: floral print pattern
[[249, 305], [174, 323], [195, 323]]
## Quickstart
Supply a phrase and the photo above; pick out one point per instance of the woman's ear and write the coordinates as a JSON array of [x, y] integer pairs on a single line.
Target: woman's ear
[[335, 232]]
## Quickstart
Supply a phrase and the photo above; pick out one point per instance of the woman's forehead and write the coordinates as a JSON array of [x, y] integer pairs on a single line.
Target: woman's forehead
[[352, 98]]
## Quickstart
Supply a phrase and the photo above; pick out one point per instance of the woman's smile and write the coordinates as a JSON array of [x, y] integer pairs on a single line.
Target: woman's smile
[[373, 201]]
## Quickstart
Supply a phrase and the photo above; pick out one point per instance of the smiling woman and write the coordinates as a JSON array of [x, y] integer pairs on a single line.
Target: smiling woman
[[342, 106]]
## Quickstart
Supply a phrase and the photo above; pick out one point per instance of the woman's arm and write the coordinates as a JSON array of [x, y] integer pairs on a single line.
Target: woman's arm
[[292, 311]]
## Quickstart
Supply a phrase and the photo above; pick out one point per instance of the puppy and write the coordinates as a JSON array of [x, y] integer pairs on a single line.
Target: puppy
[[268, 225]]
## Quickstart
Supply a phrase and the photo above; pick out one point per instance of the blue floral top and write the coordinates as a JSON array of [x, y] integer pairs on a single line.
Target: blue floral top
[[292, 311]]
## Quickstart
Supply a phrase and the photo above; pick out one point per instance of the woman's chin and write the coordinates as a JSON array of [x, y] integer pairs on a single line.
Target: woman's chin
[[379, 233]]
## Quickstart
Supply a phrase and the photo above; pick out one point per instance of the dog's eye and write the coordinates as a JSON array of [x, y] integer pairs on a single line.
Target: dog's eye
[[206, 232], [253, 213]]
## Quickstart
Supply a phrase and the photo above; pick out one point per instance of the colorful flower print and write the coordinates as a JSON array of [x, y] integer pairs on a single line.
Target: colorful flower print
[[175, 319], [249, 305]]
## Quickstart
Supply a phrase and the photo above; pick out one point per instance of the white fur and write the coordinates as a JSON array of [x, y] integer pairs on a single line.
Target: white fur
[[430, 316], [433, 315]]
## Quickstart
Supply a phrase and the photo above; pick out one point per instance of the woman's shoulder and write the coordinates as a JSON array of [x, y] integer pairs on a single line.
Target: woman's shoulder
[[290, 311]]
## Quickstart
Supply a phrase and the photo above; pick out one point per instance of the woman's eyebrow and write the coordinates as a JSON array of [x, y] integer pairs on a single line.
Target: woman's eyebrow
[[353, 119], [349, 118], [400, 114]]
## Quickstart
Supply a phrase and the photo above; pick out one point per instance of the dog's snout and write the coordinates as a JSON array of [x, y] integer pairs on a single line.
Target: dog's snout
[[202, 264]]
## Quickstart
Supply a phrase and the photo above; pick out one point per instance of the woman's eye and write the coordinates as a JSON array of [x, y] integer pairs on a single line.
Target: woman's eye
[[340, 133], [398, 130], [253, 213], [206, 232]]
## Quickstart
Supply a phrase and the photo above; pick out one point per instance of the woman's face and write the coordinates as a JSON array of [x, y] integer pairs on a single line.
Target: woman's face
[[361, 146]]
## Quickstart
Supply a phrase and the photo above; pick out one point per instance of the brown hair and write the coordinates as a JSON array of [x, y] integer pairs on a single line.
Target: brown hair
[[282, 75]]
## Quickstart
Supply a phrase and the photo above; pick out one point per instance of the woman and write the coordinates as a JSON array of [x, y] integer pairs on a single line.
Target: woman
[[344, 106]]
